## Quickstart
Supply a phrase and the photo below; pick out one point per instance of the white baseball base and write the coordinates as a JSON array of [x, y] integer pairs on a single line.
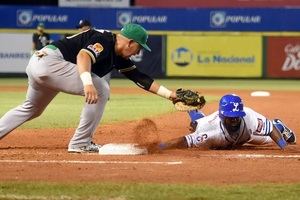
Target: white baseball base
[[260, 94], [122, 149]]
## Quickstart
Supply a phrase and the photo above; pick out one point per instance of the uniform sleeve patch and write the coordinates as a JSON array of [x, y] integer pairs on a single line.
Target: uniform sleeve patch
[[97, 48], [259, 125]]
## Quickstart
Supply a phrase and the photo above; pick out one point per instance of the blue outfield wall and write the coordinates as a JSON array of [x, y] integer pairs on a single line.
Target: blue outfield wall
[[18, 23], [235, 19]]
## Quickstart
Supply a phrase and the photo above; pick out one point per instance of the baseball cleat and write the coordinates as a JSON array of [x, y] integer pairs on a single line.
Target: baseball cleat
[[91, 148], [288, 135]]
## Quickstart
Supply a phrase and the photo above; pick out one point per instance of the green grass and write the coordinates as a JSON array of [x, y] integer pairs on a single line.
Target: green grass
[[13, 81], [65, 109], [248, 84], [138, 191], [277, 84]]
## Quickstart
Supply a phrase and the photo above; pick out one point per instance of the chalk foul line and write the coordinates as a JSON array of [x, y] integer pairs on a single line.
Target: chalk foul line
[[93, 162], [236, 156], [243, 156]]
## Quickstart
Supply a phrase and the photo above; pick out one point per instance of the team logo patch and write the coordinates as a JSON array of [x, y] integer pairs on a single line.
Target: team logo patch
[[260, 125], [235, 104], [97, 48]]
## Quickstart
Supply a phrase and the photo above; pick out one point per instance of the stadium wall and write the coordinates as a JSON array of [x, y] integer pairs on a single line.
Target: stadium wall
[[217, 3], [191, 42]]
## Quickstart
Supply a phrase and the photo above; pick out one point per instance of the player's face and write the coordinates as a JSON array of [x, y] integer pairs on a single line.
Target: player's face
[[131, 49], [232, 122]]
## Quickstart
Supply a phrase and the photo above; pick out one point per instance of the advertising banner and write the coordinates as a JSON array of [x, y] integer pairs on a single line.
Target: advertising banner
[[94, 3], [184, 19], [14, 52], [214, 56], [151, 63], [217, 3], [283, 57]]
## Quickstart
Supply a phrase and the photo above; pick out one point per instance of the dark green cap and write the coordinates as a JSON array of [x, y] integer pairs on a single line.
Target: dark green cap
[[136, 33]]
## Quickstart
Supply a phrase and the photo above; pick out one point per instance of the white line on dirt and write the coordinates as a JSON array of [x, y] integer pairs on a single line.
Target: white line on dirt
[[92, 162], [266, 156], [251, 156]]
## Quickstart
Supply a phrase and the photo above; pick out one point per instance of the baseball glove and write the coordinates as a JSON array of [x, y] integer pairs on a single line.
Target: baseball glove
[[188, 100]]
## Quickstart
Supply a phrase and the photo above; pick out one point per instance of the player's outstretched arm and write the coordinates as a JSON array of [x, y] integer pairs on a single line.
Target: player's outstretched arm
[[147, 83], [162, 91], [177, 143], [183, 99]]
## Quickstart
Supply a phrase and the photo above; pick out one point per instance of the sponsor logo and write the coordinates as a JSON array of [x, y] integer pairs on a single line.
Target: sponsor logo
[[125, 17], [217, 19], [97, 48], [26, 18], [292, 60], [219, 59], [220, 19], [182, 57]]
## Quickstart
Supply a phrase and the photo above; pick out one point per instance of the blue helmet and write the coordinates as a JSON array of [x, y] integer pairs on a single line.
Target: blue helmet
[[231, 105]]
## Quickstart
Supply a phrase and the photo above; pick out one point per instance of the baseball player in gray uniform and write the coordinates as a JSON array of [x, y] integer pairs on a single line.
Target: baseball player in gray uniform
[[230, 127], [76, 65]]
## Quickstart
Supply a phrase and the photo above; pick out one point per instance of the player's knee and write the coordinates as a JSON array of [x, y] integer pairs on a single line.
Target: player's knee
[[103, 88], [32, 110], [36, 112], [105, 92]]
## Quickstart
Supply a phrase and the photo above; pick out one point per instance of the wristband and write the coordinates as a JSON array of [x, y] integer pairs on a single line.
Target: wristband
[[86, 78], [162, 146], [164, 92], [281, 143]]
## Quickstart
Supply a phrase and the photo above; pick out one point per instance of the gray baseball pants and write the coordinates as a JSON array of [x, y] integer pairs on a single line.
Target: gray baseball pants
[[49, 74]]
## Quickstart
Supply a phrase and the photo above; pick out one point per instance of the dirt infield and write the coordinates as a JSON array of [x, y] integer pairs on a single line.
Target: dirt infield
[[41, 154]]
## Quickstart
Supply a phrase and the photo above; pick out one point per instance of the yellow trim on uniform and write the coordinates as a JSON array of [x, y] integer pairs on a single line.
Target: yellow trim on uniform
[[90, 54], [127, 69]]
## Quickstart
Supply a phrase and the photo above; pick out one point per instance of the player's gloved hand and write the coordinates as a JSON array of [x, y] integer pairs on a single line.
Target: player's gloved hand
[[91, 94], [187, 100]]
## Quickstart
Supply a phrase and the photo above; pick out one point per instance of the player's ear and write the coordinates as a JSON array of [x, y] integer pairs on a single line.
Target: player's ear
[[130, 42]]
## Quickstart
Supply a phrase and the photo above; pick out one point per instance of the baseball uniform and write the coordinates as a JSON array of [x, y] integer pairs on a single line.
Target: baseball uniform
[[211, 133], [53, 69]]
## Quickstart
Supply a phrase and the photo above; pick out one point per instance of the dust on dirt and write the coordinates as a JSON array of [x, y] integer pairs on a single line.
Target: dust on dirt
[[146, 133]]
